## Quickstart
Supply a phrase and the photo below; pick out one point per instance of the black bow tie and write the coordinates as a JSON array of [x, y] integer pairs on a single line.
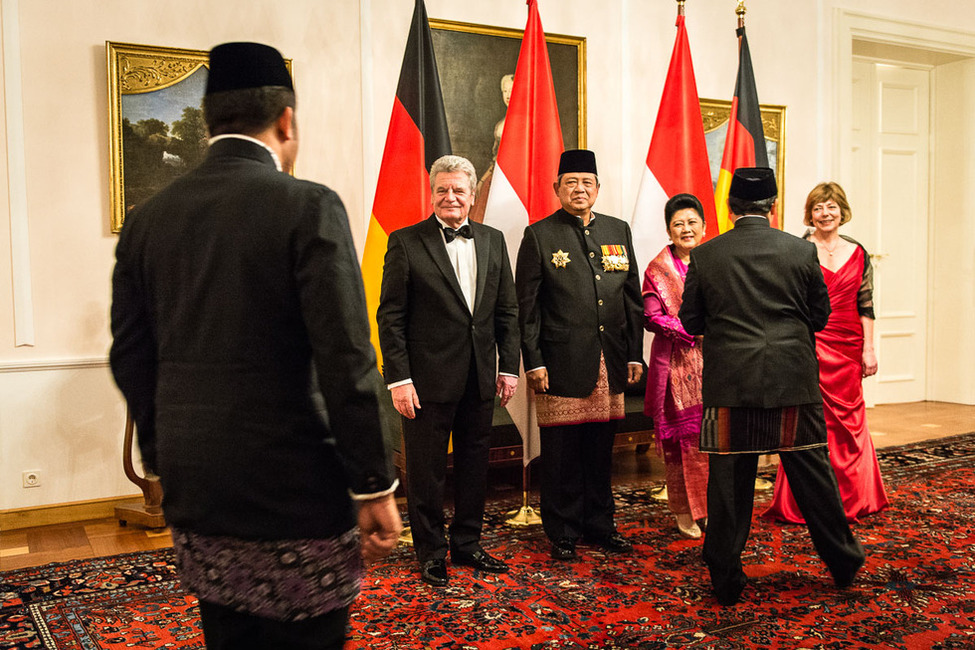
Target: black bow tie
[[464, 231]]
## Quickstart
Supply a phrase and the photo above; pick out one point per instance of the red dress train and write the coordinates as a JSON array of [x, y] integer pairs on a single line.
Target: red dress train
[[839, 348]]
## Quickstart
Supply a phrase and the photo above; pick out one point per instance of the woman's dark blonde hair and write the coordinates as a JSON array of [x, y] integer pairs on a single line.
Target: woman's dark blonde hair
[[822, 193]]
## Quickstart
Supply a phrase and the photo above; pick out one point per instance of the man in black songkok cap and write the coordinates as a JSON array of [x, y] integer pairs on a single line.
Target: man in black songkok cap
[[581, 315], [241, 345], [757, 295]]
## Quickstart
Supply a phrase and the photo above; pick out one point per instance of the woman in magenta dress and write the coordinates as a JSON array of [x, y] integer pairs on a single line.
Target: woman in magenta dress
[[846, 356], [673, 397]]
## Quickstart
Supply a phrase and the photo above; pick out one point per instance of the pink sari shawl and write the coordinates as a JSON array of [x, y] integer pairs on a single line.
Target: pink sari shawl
[[673, 397]]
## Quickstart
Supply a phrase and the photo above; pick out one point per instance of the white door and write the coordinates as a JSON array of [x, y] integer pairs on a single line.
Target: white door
[[890, 202]]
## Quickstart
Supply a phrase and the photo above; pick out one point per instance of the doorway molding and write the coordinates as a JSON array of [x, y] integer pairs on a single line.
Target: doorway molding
[[850, 26], [921, 46]]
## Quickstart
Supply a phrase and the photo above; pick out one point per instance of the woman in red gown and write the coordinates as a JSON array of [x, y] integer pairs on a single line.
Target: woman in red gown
[[846, 355]]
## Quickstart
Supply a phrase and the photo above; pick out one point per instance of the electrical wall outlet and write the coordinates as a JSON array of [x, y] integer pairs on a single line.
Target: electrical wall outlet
[[32, 478]]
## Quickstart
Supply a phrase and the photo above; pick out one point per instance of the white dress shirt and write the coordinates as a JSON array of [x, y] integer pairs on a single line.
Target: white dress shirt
[[463, 260]]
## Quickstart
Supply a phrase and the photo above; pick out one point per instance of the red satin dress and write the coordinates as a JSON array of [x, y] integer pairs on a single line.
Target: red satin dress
[[839, 348]]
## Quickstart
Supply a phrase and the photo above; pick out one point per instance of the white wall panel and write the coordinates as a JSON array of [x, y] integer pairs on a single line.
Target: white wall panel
[[70, 419]]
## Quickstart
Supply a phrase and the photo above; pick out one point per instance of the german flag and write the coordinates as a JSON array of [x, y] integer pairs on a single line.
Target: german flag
[[417, 136], [745, 143]]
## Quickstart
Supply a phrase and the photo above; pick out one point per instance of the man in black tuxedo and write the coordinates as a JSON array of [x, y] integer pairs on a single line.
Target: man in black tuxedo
[[757, 295], [581, 315], [241, 345], [448, 322]]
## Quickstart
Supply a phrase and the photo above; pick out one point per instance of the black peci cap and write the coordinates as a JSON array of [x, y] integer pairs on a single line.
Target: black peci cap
[[577, 160], [237, 66], [753, 184]]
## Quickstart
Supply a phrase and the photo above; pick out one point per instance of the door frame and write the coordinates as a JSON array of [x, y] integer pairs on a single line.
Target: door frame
[[930, 42], [850, 26]]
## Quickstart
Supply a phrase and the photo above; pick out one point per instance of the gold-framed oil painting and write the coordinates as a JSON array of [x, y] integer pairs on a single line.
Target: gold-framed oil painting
[[715, 114], [156, 127], [476, 65]]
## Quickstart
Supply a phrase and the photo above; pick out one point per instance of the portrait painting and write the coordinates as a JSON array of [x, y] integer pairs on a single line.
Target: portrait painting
[[476, 64]]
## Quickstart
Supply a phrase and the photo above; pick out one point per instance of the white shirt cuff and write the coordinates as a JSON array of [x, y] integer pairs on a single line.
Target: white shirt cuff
[[375, 495], [399, 383]]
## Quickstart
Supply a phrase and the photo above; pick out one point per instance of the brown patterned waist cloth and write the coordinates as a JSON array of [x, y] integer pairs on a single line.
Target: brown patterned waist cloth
[[600, 406]]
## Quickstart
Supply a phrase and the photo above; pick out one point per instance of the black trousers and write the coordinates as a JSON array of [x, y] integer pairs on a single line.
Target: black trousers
[[731, 495], [226, 629], [576, 484], [425, 439]]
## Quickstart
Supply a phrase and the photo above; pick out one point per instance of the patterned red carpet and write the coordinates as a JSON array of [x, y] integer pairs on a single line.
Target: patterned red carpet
[[914, 592]]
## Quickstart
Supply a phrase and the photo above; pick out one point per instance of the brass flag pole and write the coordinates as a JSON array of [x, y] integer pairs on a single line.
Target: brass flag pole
[[525, 515], [760, 483], [660, 492]]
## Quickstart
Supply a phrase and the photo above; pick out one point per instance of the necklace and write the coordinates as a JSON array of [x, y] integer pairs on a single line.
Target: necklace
[[828, 249]]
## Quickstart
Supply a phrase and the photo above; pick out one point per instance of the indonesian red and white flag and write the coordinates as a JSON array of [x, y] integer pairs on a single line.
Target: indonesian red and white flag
[[678, 157], [527, 165]]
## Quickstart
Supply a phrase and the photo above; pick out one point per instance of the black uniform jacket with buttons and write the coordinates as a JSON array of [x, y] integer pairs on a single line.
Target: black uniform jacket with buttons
[[427, 332], [575, 300], [241, 344]]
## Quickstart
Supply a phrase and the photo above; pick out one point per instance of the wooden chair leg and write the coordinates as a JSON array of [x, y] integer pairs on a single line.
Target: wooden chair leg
[[149, 513]]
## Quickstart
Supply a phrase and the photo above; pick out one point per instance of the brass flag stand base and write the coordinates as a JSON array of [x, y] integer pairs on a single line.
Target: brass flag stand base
[[149, 513], [406, 536], [660, 493], [762, 484], [525, 515]]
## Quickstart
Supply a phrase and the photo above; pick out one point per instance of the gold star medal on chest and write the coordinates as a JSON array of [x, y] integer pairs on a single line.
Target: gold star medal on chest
[[615, 257], [560, 258]]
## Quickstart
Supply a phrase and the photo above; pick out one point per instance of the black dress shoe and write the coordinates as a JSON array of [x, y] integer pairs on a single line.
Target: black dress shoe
[[564, 550], [434, 572], [614, 542], [729, 595], [480, 560], [845, 579]]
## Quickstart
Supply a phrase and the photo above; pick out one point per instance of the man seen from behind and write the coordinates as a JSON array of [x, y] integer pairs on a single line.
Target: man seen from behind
[[241, 345]]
